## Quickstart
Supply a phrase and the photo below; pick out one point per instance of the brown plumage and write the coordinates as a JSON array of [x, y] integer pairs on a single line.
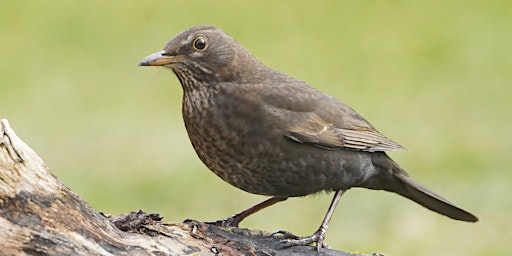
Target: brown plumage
[[270, 134]]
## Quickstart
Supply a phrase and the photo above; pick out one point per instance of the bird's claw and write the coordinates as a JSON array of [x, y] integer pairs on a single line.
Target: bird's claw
[[227, 222], [285, 235], [318, 238]]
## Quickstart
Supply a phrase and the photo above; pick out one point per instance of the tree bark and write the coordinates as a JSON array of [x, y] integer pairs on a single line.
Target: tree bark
[[40, 216]]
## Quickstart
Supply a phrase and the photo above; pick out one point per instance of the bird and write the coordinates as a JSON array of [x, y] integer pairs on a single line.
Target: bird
[[270, 134]]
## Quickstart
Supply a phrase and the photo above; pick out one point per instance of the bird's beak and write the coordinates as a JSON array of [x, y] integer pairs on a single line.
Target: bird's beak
[[159, 59]]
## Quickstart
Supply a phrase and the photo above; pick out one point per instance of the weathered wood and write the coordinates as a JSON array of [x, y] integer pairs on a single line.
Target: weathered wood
[[41, 216]]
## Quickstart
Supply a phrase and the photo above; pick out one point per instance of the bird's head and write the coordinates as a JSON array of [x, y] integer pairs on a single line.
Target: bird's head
[[205, 53]]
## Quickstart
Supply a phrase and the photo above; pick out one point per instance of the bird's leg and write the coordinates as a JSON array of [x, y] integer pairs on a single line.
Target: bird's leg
[[319, 236], [235, 219]]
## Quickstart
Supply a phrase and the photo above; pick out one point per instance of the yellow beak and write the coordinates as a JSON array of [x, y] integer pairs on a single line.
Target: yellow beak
[[159, 59]]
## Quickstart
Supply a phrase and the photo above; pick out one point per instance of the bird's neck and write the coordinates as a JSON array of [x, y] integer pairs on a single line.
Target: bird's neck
[[197, 100]]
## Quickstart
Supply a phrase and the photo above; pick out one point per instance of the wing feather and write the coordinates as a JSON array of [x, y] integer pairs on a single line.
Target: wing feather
[[330, 136], [310, 116]]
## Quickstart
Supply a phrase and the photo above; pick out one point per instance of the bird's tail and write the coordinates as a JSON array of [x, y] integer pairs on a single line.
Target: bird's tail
[[422, 195], [402, 184]]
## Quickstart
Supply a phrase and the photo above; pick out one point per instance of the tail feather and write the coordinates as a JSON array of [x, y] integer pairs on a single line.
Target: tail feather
[[425, 197], [393, 178]]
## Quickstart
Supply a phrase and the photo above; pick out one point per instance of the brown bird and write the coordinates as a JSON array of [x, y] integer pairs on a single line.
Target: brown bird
[[270, 134]]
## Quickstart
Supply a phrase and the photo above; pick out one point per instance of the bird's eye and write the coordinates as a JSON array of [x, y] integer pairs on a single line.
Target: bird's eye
[[199, 44]]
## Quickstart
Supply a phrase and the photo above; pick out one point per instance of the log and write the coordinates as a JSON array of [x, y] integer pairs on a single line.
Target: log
[[40, 216]]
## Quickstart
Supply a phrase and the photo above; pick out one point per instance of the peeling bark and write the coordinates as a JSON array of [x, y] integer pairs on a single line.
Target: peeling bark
[[40, 216]]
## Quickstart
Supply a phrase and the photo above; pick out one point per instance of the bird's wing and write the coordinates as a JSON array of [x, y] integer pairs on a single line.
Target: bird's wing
[[326, 135], [306, 115]]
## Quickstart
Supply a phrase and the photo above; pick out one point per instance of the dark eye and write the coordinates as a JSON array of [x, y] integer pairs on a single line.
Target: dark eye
[[199, 43]]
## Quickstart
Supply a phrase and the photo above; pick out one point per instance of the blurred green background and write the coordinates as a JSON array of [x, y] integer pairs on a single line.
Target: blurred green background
[[434, 76]]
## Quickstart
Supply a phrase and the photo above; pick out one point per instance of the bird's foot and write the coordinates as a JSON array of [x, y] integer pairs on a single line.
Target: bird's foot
[[235, 219], [231, 221], [293, 240], [285, 235]]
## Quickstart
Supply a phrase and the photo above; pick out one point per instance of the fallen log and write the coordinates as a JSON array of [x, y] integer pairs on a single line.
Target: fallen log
[[40, 216]]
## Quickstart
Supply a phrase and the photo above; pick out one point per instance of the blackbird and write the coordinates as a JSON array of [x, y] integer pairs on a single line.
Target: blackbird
[[270, 134]]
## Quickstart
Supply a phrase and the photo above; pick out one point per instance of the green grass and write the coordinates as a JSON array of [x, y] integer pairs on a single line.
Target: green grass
[[434, 76]]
